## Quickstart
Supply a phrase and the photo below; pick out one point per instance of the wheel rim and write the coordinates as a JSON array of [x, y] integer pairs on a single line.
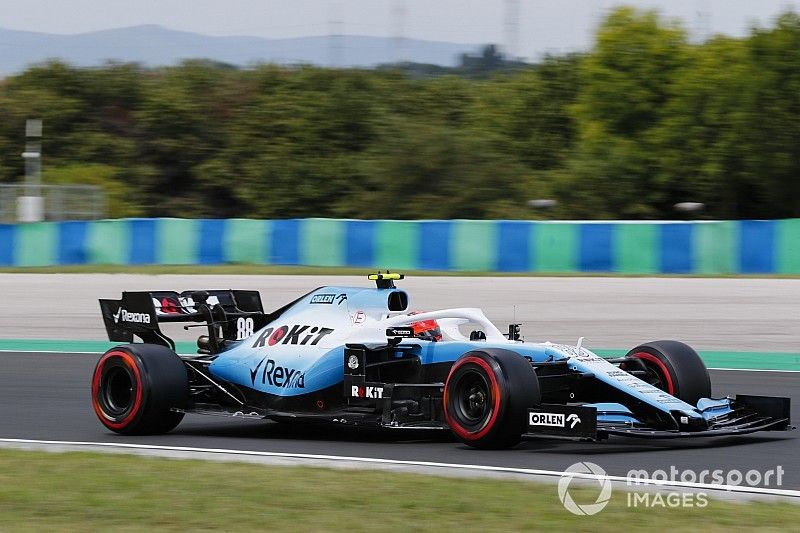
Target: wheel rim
[[473, 400], [653, 377], [656, 372], [117, 390]]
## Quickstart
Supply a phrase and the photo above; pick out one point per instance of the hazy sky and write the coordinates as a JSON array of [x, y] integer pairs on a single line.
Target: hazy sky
[[544, 25]]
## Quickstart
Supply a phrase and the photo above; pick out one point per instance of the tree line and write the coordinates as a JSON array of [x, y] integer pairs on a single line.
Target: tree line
[[645, 119]]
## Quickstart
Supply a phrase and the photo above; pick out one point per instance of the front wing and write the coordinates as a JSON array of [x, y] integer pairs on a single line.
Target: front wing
[[729, 416]]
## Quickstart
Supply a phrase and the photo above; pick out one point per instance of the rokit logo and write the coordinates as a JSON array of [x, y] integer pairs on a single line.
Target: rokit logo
[[302, 335], [357, 391], [123, 315], [278, 376], [554, 420]]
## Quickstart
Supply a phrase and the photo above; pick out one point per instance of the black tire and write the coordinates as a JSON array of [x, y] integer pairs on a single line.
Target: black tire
[[136, 386], [487, 395], [674, 368]]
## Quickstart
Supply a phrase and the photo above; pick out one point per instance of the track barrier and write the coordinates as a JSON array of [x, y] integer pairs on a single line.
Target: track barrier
[[696, 247]]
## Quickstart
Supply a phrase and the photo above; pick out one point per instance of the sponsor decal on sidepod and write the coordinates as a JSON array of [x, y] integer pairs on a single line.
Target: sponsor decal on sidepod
[[278, 376], [366, 392], [302, 335]]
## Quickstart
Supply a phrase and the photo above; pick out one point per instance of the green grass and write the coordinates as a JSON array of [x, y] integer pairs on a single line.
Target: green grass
[[249, 269], [95, 492]]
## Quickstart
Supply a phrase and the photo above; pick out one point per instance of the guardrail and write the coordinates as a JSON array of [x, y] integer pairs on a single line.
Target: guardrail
[[713, 247]]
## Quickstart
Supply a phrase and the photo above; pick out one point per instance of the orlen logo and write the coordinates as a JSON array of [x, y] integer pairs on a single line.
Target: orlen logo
[[366, 392], [323, 299], [546, 419], [553, 419], [125, 316]]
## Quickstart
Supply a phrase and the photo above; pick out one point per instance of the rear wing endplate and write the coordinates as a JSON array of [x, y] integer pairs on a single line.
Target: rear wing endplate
[[139, 313]]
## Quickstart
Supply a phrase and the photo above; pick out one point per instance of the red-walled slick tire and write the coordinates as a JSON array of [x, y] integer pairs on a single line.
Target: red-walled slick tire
[[135, 388], [487, 395], [674, 368]]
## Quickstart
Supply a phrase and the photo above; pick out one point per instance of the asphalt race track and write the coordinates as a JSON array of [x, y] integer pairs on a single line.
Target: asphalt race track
[[709, 314], [46, 396]]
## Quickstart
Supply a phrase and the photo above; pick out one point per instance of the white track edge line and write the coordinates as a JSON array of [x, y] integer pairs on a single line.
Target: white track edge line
[[632, 482]]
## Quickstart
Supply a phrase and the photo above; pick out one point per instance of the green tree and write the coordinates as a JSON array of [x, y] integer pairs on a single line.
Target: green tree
[[625, 85], [700, 140], [640, 122], [773, 140], [425, 171]]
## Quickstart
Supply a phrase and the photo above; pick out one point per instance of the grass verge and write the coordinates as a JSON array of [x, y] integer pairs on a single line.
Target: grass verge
[[334, 271], [95, 492]]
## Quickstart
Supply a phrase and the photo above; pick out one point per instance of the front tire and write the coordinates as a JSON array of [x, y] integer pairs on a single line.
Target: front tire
[[487, 395], [135, 388], [675, 368]]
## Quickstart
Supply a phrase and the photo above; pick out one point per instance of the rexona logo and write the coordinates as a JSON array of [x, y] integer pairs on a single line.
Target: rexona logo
[[126, 316], [278, 376], [366, 392], [301, 335], [554, 420]]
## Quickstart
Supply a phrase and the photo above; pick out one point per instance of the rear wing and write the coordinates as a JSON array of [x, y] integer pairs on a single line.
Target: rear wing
[[230, 315]]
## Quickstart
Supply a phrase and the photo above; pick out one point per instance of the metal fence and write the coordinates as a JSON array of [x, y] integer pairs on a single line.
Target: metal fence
[[61, 202]]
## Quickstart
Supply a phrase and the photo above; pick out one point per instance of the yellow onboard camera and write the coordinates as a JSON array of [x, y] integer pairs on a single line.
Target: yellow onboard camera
[[385, 280]]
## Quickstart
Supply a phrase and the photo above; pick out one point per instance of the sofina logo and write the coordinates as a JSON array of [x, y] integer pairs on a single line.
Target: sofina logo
[[584, 470]]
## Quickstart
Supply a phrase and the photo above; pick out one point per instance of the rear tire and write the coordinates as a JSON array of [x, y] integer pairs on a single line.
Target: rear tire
[[674, 368], [135, 388], [487, 395]]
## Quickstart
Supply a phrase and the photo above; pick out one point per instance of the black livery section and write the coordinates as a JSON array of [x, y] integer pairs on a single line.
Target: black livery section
[[230, 315], [563, 421], [391, 383]]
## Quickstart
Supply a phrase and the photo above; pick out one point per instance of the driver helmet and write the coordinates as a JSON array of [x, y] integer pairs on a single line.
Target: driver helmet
[[426, 329]]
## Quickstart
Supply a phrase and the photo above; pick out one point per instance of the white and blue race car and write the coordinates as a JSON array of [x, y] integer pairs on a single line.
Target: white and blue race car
[[359, 356]]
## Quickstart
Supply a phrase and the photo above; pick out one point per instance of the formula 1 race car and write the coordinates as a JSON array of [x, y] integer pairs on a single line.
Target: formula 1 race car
[[359, 357]]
